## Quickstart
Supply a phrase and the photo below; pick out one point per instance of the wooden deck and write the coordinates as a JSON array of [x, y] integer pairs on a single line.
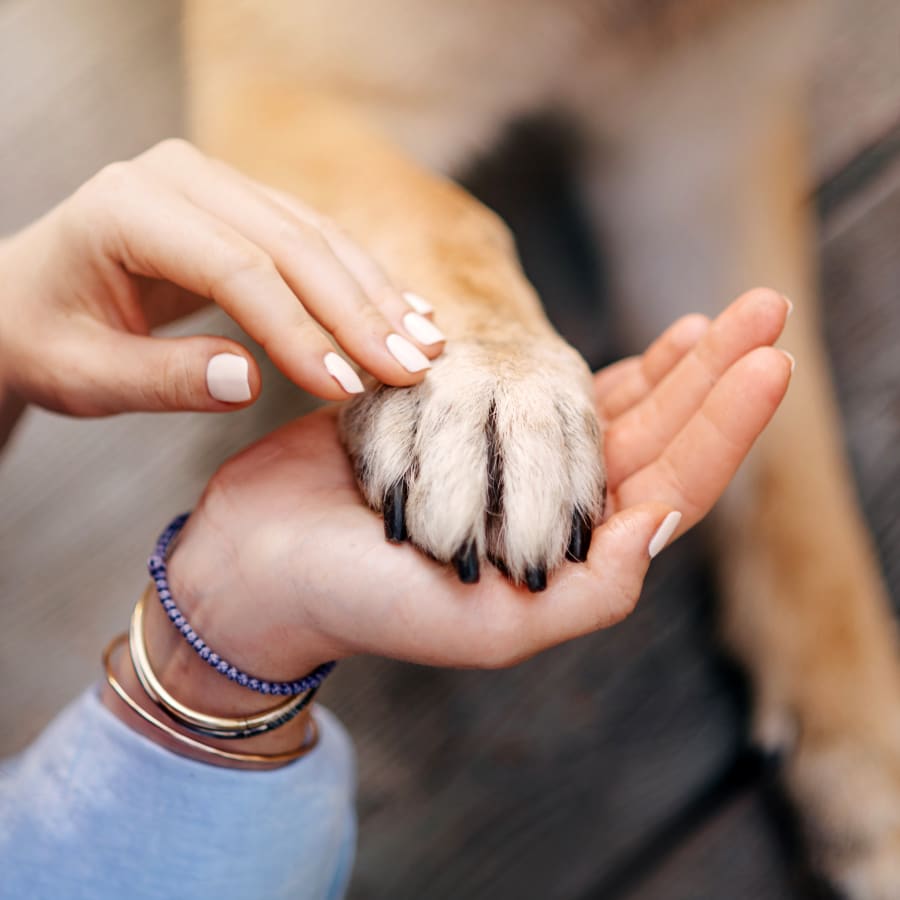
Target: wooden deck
[[613, 767]]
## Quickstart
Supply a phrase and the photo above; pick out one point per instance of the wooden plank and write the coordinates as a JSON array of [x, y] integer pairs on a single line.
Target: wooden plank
[[722, 858], [861, 278]]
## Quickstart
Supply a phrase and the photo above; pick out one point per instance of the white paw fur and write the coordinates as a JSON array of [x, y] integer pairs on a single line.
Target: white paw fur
[[498, 447]]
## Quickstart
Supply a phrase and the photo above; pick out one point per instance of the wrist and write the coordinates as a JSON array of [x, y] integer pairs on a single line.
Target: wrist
[[254, 630], [197, 686], [193, 682], [203, 580]]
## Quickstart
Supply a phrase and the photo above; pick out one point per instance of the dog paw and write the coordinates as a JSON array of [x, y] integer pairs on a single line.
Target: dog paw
[[495, 455]]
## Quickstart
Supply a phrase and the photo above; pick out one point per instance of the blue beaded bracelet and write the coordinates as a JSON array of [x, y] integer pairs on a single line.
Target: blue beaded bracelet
[[159, 573]]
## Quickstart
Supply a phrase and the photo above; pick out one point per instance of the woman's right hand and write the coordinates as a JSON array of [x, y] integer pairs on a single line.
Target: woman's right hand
[[148, 241]]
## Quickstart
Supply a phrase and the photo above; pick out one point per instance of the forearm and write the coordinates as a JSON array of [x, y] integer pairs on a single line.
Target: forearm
[[133, 804], [92, 809]]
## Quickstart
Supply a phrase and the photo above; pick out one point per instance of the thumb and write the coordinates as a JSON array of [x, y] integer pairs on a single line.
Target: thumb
[[119, 372], [606, 588]]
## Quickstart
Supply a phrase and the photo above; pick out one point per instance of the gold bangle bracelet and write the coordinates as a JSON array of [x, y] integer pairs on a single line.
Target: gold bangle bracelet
[[202, 723], [199, 746]]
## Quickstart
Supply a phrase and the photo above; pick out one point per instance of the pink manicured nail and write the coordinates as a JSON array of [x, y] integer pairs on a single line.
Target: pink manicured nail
[[419, 304], [791, 360], [227, 378], [410, 357], [422, 330], [664, 533], [342, 372]]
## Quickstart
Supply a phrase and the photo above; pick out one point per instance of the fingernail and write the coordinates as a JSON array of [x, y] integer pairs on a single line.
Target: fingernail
[[417, 303], [411, 358], [791, 360], [664, 533], [422, 330], [342, 372], [790, 305], [227, 378]]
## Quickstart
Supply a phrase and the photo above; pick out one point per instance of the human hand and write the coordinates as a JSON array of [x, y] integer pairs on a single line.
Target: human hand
[[282, 565], [147, 241]]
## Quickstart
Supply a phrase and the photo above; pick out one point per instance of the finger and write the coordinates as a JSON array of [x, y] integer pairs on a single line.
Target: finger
[[652, 366], [695, 468], [131, 373], [395, 306], [610, 377], [639, 435], [169, 238], [579, 599], [306, 260], [494, 624]]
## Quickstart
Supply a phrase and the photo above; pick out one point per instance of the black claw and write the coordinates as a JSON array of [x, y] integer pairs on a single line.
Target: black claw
[[580, 538], [536, 578], [466, 561], [394, 511]]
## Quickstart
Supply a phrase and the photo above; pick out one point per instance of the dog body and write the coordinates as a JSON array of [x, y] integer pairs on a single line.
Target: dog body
[[691, 115]]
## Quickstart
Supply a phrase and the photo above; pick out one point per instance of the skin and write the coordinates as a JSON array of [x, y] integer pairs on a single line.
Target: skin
[[148, 241], [282, 566]]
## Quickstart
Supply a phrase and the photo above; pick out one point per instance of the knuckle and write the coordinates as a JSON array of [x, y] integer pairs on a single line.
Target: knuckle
[[170, 149], [242, 262], [284, 343], [309, 333], [333, 232], [764, 295], [296, 232], [361, 318], [106, 188], [175, 385]]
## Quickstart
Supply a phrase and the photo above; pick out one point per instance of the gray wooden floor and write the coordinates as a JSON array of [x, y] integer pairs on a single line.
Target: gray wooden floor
[[613, 755]]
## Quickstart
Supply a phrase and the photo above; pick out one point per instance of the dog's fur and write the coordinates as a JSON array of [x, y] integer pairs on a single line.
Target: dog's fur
[[692, 115]]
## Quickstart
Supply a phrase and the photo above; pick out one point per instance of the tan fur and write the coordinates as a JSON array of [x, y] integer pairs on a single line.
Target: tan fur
[[692, 113]]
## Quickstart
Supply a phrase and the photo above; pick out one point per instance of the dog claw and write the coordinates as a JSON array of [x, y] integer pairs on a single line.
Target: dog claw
[[466, 561], [580, 538], [536, 578], [394, 511]]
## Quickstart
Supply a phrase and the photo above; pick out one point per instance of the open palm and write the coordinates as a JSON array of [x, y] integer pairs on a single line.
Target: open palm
[[285, 566]]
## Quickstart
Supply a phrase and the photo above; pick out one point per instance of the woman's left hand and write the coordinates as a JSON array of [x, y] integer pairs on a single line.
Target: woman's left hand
[[282, 566]]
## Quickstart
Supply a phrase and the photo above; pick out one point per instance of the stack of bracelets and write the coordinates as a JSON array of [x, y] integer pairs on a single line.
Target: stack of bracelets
[[299, 693]]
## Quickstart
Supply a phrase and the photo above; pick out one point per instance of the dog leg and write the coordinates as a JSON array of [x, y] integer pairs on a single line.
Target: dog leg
[[496, 454], [697, 204]]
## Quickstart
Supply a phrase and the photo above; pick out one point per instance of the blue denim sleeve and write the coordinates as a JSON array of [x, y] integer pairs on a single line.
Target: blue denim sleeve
[[95, 810]]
